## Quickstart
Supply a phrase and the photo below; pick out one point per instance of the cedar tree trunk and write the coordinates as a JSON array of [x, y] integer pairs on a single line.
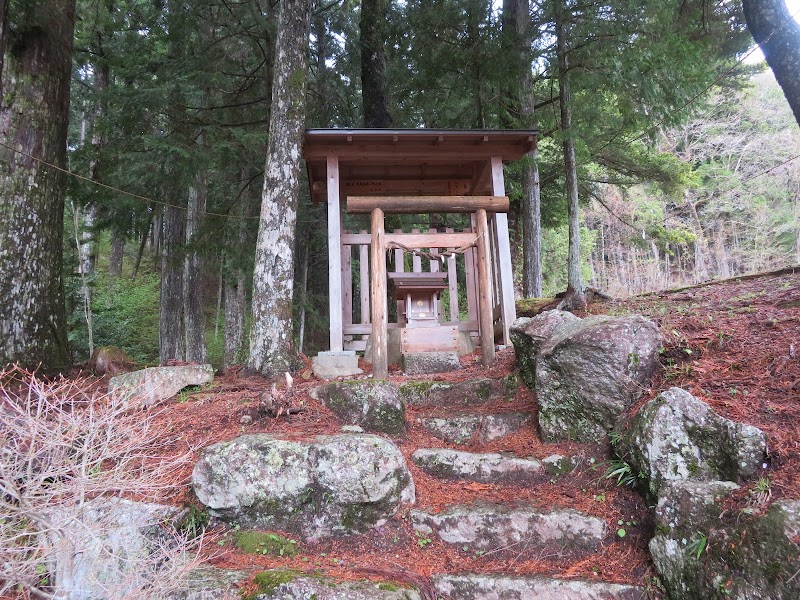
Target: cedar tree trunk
[[272, 348], [33, 121], [170, 316], [575, 297], [778, 34], [373, 63]]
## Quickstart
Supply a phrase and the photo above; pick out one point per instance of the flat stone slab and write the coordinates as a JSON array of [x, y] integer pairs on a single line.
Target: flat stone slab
[[484, 468], [519, 529], [155, 384], [210, 583], [496, 587], [472, 392], [331, 364], [301, 587], [460, 429], [422, 363]]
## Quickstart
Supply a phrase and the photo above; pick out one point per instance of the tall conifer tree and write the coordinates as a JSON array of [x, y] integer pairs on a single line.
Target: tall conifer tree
[[33, 125]]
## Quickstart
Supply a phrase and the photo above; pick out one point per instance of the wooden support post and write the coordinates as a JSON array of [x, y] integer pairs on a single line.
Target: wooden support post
[[347, 287], [485, 289], [363, 273], [416, 259], [471, 270], [400, 267], [334, 255], [508, 309], [452, 280], [380, 364], [435, 252]]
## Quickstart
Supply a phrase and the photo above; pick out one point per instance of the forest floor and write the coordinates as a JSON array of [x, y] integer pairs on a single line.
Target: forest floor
[[733, 344]]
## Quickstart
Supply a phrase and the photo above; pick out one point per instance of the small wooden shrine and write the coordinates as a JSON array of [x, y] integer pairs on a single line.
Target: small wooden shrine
[[417, 171]]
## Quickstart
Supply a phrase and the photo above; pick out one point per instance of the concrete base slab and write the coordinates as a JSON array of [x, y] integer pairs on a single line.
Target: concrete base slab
[[422, 363], [331, 364]]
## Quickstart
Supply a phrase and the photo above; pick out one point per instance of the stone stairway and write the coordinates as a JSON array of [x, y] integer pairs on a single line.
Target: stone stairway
[[465, 435], [470, 415]]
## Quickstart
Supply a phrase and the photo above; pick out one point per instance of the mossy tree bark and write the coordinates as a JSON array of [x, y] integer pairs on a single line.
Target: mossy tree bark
[[33, 123], [272, 347]]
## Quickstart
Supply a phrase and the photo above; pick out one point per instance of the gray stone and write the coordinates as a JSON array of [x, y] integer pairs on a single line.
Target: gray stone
[[373, 405], [485, 527], [154, 384], [589, 371], [528, 334], [752, 558], [558, 465], [294, 586], [460, 429], [485, 468], [331, 364], [502, 587], [423, 363], [330, 485], [114, 548], [394, 354], [678, 437], [210, 583], [472, 392], [685, 506]]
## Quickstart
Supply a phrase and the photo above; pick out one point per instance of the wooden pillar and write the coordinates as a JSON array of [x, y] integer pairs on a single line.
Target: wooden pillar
[[485, 289], [334, 255], [380, 363], [508, 309], [363, 269]]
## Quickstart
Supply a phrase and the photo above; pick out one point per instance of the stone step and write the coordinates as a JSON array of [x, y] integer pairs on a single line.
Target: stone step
[[472, 392], [493, 587], [283, 584], [460, 428], [487, 527], [484, 468]]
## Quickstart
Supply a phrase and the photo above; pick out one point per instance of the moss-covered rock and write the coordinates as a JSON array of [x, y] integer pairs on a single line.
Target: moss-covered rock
[[296, 586], [373, 405], [749, 557], [528, 334], [472, 392], [589, 371], [330, 485], [678, 437]]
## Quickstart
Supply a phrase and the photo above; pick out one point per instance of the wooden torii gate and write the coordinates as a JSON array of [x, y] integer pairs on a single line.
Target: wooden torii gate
[[416, 171]]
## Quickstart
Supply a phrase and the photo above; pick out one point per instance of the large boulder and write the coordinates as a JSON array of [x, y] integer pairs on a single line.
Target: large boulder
[[589, 371], [528, 334], [698, 553], [678, 437], [329, 485], [154, 384], [373, 405]]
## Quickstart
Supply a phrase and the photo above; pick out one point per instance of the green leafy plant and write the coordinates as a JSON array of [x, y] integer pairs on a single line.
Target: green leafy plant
[[698, 545], [194, 522], [622, 472]]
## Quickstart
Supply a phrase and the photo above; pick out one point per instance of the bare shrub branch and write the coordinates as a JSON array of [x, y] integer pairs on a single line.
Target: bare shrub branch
[[71, 461]]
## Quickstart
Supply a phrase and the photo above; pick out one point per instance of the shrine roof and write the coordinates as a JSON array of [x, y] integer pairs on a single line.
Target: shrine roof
[[410, 161]]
